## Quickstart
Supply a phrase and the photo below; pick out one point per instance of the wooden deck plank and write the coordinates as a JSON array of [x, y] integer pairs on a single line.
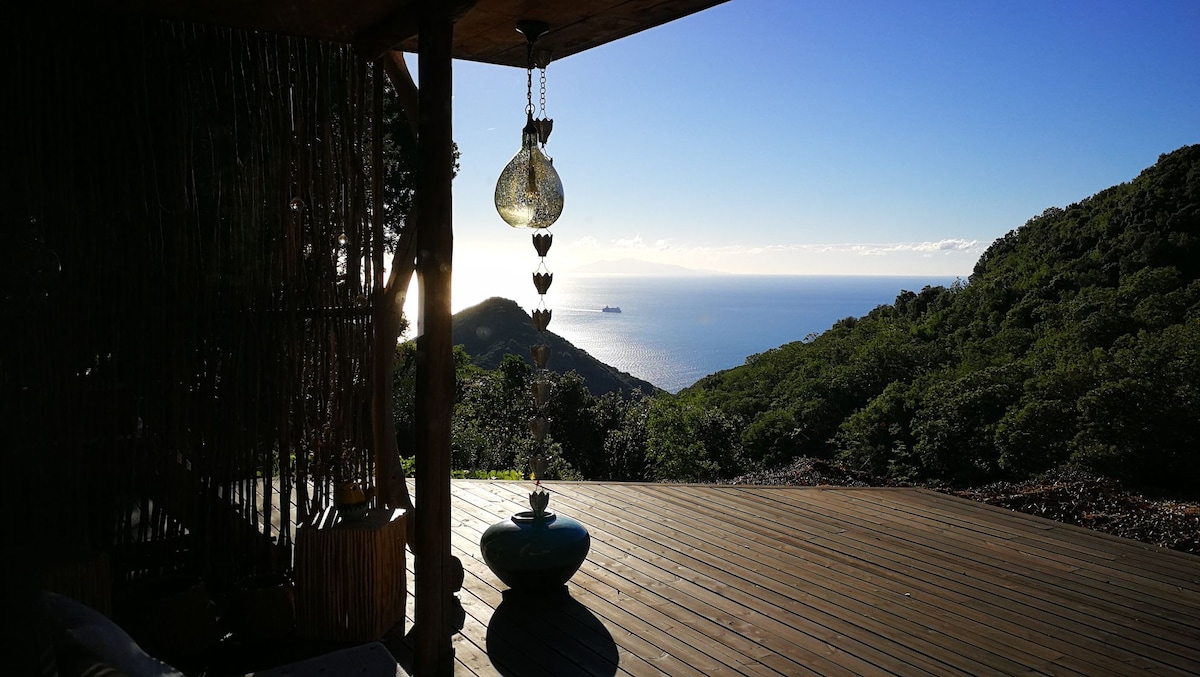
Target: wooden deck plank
[[1155, 624], [878, 632], [1117, 579], [906, 613], [823, 581], [843, 517], [1080, 626], [1170, 566], [1059, 540], [1095, 578], [1151, 612]]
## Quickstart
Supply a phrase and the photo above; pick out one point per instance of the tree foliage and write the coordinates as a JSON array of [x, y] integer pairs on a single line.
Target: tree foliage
[[592, 437]]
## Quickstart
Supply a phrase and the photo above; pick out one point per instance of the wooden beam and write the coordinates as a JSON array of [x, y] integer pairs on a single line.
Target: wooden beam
[[400, 25], [433, 653]]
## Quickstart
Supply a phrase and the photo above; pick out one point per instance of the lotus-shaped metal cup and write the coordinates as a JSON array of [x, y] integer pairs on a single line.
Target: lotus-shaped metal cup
[[537, 427], [542, 242], [541, 393], [540, 354]]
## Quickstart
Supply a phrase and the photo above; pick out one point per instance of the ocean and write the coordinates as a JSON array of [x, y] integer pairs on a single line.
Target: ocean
[[672, 331]]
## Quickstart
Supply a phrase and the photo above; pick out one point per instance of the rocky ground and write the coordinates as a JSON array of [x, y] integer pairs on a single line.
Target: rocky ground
[[1073, 497]]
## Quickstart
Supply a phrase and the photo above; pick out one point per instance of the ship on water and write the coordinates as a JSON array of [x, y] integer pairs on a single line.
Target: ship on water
[[611, 309]]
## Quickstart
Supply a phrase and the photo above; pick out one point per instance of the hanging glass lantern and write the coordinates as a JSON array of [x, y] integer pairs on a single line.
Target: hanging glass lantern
[[529, 193]]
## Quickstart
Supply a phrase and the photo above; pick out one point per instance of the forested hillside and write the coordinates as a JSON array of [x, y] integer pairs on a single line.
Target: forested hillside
[[1076, 340]]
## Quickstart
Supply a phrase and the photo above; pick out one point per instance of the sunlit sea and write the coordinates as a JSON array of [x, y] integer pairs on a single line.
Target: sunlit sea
[[672, 331]]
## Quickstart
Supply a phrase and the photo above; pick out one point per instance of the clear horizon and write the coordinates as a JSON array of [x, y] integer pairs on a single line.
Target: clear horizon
[[476, 289]]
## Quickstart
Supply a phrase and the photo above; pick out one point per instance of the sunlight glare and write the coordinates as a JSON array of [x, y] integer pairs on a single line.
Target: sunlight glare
[[480, 275]]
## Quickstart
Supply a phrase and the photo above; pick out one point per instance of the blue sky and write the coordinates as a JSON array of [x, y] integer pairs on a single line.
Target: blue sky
[[860, 137]]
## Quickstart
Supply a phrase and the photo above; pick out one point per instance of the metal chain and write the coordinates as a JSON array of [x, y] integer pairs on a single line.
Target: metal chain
[[529, 78], [529, 91], [542, 102]]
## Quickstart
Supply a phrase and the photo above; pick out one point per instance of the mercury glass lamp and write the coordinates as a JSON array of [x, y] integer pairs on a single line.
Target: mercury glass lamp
[[529, 193]]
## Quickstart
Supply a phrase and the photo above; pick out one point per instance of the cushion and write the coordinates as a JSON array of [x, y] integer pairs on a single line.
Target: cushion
[[92, 640]]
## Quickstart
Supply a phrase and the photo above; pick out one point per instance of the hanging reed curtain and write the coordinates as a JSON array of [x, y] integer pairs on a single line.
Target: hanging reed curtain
[[195, 378]]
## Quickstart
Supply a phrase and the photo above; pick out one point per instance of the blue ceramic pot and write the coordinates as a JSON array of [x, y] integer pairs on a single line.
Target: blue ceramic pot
[[529, 552]]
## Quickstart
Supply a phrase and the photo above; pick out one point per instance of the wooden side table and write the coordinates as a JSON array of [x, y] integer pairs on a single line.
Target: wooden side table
[[350, 577]]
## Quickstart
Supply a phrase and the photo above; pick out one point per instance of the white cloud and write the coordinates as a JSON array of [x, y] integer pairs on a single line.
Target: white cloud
[[953, 245], [586, 242], [869, 250], [951, 256], [875, 248]]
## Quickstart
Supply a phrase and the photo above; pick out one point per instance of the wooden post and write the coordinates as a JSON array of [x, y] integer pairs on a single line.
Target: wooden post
[[433, 653]]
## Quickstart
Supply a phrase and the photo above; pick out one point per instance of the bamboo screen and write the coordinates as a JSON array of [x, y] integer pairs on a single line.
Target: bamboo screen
[[189, 385]]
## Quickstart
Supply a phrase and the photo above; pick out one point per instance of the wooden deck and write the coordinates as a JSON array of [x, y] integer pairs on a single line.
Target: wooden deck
[[704, 580]]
